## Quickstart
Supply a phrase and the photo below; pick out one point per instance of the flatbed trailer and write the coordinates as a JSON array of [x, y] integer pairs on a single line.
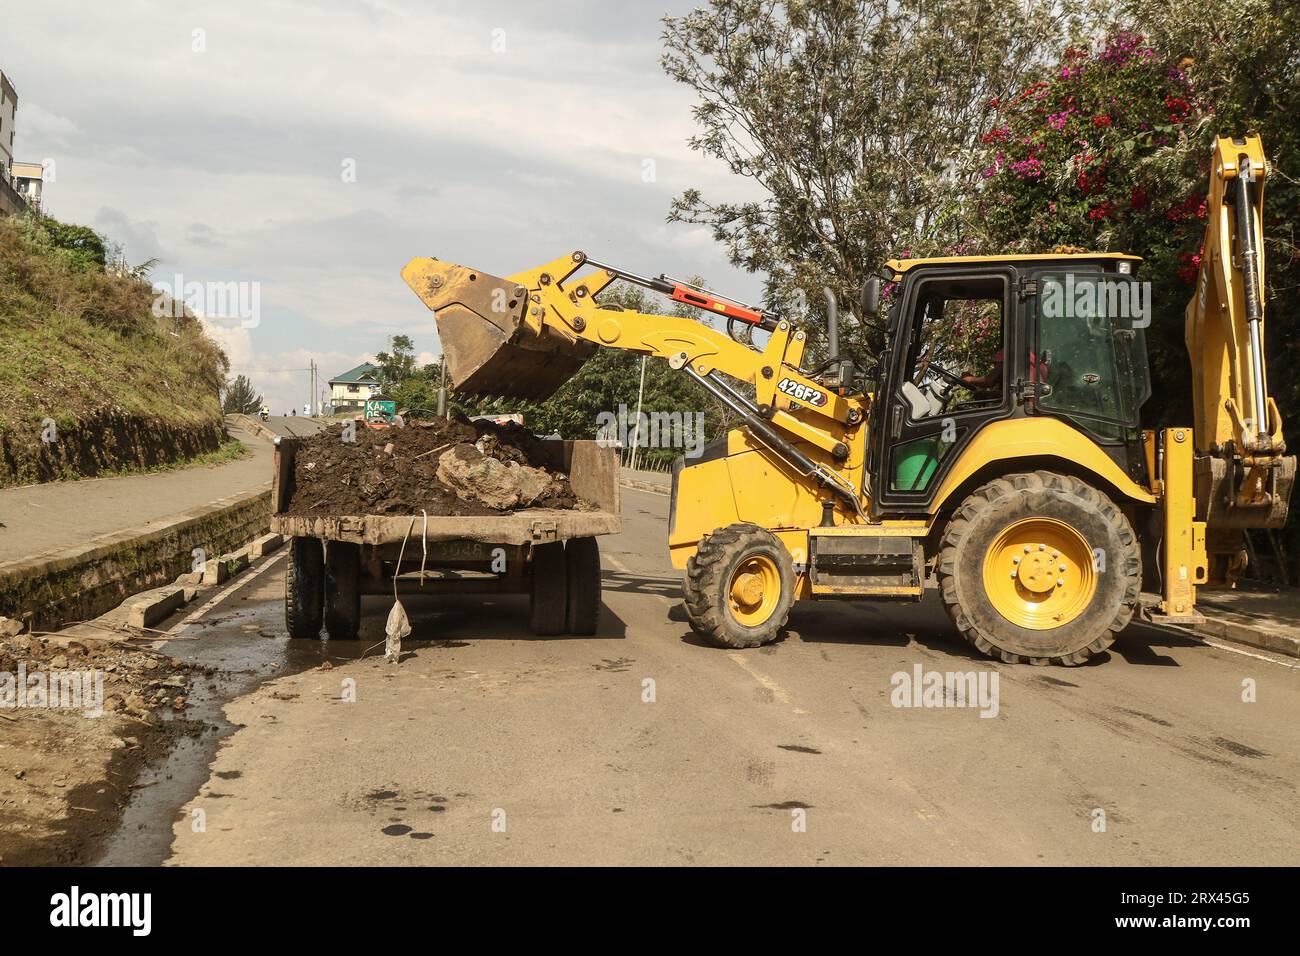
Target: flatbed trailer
[[549, 554]]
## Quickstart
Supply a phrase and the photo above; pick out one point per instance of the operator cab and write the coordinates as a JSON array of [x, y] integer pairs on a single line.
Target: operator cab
[[974, 341]]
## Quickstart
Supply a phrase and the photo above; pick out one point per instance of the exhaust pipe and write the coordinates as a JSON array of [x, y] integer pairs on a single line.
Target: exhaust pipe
[[832, 323]]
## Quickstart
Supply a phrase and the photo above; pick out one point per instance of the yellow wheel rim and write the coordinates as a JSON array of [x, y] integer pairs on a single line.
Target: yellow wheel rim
[[754, 590], [1039, 573]]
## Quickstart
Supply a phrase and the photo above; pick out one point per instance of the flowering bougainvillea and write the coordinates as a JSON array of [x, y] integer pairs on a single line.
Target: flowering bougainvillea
[[1107, 154], [1098, 157]]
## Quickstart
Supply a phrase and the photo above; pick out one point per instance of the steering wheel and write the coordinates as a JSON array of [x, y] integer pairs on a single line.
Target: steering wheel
[[944, 373]]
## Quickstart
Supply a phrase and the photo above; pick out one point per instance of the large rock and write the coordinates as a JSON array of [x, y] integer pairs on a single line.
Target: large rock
[[474, 476]]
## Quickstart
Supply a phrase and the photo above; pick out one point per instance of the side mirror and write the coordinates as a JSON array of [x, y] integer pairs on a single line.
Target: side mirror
[[870, 300]]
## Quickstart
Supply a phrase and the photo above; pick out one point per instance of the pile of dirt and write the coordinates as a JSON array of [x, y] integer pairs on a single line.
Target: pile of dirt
[[443, 466]]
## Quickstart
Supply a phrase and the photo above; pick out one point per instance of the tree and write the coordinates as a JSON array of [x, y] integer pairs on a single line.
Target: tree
[[397, 364], [1243, 64], [239, 397], [856, 120], [79, 246], [1109, 150]]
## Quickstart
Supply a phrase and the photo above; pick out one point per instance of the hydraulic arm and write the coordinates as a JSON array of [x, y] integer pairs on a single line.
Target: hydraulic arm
[[1243, 477], [525, 335]]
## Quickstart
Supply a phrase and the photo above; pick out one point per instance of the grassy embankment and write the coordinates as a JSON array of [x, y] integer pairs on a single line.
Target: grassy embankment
[[81, 348]]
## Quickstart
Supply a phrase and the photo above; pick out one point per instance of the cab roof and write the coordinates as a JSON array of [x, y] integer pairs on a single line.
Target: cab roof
[[900, 266]]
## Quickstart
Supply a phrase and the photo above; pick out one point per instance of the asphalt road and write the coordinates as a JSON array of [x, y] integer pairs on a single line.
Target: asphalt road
[[486, 745]]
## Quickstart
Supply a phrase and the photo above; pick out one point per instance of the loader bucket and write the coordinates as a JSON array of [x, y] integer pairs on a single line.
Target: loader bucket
[[492, 333]]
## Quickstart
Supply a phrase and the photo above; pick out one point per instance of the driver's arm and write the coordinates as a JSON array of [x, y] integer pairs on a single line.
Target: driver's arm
[[992, 380]]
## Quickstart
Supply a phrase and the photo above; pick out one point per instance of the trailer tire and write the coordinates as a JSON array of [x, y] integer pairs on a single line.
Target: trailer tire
[[1040, 568], [303, 580], [739, 586], [342, 590], [549, 605], [582, 568]]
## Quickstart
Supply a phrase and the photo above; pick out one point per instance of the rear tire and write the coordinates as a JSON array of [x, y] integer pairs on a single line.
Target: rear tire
[[739, 586], [549, 606], [1000, 569], [582, 568], [303, 581], [342, 590]]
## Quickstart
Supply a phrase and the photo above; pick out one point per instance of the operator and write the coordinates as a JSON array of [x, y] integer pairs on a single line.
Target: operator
[[991, 382]]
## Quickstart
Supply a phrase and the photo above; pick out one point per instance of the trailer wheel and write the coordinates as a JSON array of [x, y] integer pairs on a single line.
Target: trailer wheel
[[582, 567], [303, 588], [342, 590], [549, 606]]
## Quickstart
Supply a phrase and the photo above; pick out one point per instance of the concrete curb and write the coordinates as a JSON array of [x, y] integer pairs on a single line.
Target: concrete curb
[[150, 611], [49, 591], [1230, 628], [251, 424], [645, 487]]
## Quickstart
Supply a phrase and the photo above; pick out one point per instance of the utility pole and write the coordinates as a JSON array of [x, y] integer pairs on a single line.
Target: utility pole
[[442, 387], [636, 434], [311, 385]]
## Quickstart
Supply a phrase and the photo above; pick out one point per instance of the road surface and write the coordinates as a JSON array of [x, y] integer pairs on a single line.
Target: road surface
[[486, 745]]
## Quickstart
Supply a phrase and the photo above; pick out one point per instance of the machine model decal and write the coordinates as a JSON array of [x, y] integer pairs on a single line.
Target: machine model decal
[[803, 393]]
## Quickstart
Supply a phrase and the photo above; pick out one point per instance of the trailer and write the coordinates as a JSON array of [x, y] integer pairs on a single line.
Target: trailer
[[549, 554]]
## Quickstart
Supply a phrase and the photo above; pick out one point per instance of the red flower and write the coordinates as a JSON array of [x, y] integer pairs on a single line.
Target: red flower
[[1189, 266], [1101, 122], [1105, 211]]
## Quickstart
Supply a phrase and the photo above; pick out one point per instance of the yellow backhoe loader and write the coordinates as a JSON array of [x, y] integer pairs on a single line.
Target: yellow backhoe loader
[[994, 446]]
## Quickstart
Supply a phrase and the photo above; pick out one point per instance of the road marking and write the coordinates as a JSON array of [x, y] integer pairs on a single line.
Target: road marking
[[1258, 657], [237, 582], [616, 564], [778, 692]]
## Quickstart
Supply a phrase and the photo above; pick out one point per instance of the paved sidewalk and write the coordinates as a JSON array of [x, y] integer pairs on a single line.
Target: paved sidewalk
[[658, 482], [45, 519]]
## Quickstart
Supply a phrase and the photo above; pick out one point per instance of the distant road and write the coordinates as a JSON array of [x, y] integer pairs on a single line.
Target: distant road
[[296, 426]]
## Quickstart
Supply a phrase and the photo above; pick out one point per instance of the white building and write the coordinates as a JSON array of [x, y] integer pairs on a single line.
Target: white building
[[8, 107], [21, 184], [28, 179]]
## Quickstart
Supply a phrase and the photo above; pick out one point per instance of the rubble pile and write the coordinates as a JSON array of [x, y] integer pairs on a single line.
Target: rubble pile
[[137, 683], [442, 466]]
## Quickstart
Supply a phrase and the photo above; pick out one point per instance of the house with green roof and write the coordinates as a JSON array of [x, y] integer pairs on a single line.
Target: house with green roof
[[349, 390]]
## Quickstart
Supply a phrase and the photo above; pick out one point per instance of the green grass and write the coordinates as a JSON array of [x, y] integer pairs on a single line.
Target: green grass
[[76, 342]]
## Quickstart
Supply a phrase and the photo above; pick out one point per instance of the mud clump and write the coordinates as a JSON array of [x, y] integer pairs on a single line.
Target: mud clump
[[446, 467]]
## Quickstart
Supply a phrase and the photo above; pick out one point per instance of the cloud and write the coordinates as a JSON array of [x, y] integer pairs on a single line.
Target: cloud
[[494, 134], [42, 126]]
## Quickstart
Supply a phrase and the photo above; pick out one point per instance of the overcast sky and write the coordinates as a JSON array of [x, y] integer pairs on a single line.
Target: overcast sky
[[496, 134]]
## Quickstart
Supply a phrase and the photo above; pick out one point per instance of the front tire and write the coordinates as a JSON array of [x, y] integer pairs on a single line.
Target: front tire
[[1040, 568], [739, 586]]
